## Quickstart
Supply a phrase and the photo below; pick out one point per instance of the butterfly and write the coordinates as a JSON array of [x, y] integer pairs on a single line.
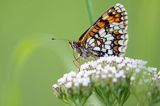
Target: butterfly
[[107, 36]]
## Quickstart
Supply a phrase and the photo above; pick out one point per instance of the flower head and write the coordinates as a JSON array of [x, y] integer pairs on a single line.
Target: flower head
[[109, 77]]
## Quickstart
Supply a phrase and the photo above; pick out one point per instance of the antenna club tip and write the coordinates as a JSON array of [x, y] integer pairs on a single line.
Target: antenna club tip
[[53, 38]]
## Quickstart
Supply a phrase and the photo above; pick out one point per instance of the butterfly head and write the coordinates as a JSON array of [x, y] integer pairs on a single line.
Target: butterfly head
[[75, 47]]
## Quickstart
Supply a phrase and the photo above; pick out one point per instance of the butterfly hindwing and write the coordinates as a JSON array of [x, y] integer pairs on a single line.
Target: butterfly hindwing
[[108, 35]]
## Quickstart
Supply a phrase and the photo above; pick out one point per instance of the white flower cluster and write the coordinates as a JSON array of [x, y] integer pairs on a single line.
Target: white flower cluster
[[114, 67], [102, 72], [156, 75], [104, 67], [75, 79]]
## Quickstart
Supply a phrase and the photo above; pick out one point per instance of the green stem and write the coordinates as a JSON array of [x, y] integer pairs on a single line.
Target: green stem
[[89, 5]]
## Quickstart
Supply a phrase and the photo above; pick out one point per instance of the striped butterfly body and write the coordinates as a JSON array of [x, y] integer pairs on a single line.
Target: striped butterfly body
[[107, 36]]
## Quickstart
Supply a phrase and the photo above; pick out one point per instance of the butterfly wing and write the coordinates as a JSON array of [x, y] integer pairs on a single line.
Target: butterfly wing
[[108, 35]]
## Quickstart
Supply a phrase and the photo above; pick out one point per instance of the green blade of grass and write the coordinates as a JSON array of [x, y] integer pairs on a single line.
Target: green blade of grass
[[89, 5]]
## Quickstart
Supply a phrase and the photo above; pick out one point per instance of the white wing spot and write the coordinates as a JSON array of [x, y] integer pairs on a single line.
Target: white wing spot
[[122, 49], [121, 6], [116, 27], [91, 41], [125, 42], [126, 17], [108, 35], [110, 52], [110, 38], [126, 36], [104, 50], [98, 42], [108, 42], [123, 9], [107, 47], [103, 34], [96, 36], [118, 4], [121, 42], [111, 29], [122, 37], [122, 26], [120, 31], [96, 48], [93, 44], [101, 31]]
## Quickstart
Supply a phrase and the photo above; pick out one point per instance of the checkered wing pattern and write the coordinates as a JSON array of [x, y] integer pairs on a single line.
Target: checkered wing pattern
[[108, 35]]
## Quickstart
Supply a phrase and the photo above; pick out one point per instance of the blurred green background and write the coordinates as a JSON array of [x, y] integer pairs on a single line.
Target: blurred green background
[[30, 62]]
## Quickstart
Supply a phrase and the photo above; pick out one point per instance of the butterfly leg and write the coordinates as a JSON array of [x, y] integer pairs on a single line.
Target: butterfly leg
[[76, 62]]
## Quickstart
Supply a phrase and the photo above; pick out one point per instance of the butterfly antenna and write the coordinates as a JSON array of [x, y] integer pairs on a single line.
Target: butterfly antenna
[[62, 39]]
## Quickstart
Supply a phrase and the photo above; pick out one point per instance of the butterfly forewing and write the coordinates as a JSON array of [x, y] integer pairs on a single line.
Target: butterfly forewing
[[108, 35]]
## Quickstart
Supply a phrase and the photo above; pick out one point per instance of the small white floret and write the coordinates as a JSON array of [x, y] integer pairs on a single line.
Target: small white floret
[[68, 85]]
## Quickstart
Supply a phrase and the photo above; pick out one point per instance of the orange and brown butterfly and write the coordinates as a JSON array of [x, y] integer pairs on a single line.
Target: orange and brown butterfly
[[107, 36]]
